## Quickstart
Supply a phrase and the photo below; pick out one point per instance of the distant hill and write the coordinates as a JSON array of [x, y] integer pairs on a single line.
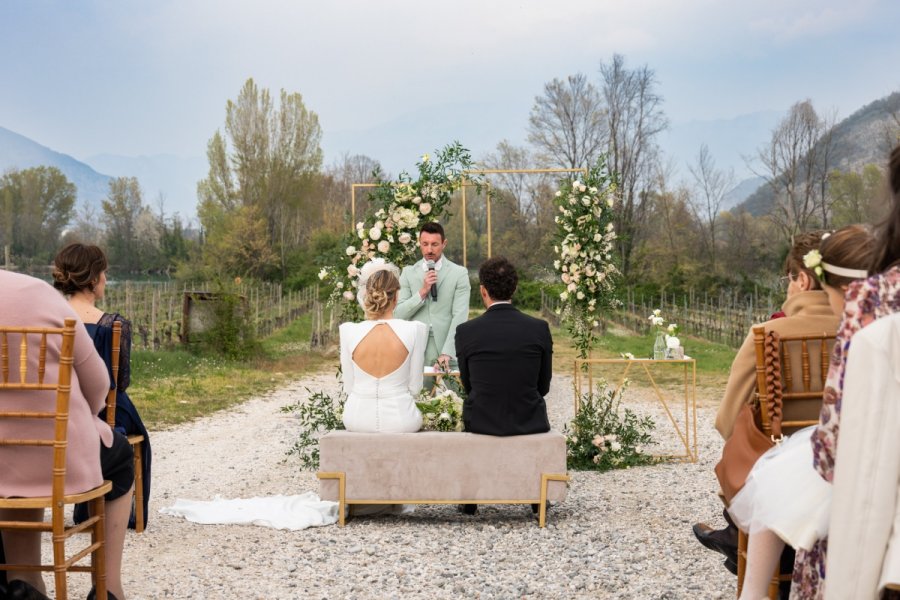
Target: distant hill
[[19, 152], [173, 177], [863, 138]]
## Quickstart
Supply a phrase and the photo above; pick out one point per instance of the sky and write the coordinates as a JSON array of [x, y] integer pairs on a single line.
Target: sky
[[143, 78]]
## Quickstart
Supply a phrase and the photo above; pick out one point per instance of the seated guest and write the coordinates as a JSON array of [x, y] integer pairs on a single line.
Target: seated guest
[[505, 360], [806, 310], [875, 298], [382, 358], [79, 272], [95, 452], [784, 499]]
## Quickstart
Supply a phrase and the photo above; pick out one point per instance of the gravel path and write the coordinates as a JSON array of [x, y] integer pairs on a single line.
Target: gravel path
[[622, 534]]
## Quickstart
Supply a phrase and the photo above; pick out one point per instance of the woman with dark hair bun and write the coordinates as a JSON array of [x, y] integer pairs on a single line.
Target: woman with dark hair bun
[[79, 272]]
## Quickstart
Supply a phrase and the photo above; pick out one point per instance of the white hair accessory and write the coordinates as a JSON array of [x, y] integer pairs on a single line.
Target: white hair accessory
[[369, 269]]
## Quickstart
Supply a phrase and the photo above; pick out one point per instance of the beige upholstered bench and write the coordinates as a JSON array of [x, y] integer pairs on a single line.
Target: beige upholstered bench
[[431, 467]]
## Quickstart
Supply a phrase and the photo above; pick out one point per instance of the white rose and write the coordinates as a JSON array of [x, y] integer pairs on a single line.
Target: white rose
[[580, 295], [586, 200], [405, 238], [362, 234], [351, 250], [348, 295], [597, 237], [384, 246], [565, 277], [593, 190], [615, 446], [323, 273], [555, 265], [425, 208], [672, 341], [416, 200], [352, 271], [558, 194], [581, 187], [572, 287], [339, 284], [379, 224], [564, 296], [374, 233]]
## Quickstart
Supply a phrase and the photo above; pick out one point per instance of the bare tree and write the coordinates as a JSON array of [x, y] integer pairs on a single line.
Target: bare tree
[[567, 123], [712, 185], [795, 166], [634, 119]]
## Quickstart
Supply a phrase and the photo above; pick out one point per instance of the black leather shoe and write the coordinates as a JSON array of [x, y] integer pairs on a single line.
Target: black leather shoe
[[467, 509], [92, 595], [22, 590], [731, 566], [536, 508], [723, 541]]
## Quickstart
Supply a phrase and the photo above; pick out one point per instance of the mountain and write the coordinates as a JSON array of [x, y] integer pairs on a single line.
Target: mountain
[[865, 137], [19, 152], [163, 175]]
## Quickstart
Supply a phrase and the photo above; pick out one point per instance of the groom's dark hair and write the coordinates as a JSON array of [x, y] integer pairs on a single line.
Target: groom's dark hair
[[433, 227], [499, 278]]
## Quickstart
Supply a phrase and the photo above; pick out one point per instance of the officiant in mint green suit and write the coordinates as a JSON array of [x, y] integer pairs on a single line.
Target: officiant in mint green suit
[[435, 291]]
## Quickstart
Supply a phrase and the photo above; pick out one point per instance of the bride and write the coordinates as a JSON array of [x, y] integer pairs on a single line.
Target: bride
[[382, 358]]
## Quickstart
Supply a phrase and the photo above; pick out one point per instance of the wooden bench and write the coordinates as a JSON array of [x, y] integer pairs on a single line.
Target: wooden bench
[[432, 467]]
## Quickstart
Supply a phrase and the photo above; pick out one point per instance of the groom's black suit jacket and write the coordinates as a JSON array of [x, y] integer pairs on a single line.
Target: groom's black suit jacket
[[505, 365]]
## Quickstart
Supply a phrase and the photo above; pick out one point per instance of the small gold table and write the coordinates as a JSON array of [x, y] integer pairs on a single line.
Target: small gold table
[[688, 435]]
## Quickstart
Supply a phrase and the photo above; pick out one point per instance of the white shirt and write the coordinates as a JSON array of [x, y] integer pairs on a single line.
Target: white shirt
[[437, 265]]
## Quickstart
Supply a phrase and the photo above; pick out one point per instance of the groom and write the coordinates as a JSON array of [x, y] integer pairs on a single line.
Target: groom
[[435, 291]]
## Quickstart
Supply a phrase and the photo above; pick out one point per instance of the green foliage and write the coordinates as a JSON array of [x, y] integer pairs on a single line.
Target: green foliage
[[230, 332], [318, 414], [302, 263], [256, 204], [605, 436], [36, 205]]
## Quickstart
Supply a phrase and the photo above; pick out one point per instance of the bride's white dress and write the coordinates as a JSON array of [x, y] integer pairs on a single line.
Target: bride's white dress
[[383, 404]]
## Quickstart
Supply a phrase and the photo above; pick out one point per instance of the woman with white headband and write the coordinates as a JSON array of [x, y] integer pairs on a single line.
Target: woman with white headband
[[784, 499]]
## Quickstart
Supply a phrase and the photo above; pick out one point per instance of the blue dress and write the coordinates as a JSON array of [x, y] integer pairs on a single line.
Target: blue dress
[[128, 420]]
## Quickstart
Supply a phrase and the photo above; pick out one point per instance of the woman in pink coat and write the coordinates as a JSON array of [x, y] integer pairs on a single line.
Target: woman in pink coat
[[94, 452]]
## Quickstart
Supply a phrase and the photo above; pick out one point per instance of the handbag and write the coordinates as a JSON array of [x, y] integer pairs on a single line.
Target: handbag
[[748, 442]]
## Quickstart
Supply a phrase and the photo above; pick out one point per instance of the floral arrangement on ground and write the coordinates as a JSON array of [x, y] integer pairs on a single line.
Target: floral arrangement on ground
[[397, 210], [584, 247], [604, 435]]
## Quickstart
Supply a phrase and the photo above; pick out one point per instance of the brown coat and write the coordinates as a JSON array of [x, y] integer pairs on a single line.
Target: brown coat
[[807, 312], [26, 301]]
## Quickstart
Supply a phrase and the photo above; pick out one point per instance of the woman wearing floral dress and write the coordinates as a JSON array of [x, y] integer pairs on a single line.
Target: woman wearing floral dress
[[866, 301]]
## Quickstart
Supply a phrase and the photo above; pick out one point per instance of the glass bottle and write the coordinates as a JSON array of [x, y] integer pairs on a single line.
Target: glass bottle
[[659, 346]]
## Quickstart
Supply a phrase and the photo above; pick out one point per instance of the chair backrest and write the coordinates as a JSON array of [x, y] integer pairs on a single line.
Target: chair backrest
[[33, 340], [114, 367], [790, 369]]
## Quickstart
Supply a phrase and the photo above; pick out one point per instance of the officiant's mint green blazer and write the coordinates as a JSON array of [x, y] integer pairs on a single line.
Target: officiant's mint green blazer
[[441, 316]]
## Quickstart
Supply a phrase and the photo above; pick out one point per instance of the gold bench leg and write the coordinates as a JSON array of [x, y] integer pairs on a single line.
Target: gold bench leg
[[546, 478], [342, 502]]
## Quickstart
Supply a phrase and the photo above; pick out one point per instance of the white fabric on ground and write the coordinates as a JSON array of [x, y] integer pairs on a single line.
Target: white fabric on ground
[[278, 512]]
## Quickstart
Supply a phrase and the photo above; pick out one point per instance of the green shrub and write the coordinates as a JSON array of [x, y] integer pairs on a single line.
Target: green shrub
[[604, 436], [319, 414]]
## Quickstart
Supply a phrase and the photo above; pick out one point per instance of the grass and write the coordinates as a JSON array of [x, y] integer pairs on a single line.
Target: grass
[[175, 386]]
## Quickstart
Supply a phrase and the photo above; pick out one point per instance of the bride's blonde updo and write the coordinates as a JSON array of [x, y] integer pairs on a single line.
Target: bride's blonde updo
[[381, 293]]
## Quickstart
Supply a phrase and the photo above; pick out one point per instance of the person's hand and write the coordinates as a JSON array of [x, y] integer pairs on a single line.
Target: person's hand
[[442, 363], [430, 280]]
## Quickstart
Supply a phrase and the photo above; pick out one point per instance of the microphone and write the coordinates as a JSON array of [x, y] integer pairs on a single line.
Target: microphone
[[430, 265]]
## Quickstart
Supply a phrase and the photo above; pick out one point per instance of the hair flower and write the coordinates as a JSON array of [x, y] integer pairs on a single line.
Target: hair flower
[[813, 260]]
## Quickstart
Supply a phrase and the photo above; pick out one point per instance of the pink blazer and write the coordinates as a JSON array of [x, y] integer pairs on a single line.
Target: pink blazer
[[26, 301]]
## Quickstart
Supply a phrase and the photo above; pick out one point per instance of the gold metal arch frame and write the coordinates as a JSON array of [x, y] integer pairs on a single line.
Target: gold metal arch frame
[[466, 184]]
